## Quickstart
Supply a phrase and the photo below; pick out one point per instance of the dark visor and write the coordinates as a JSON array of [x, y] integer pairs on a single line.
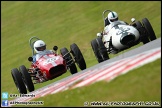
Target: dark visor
[[112, 20], [41, 48]]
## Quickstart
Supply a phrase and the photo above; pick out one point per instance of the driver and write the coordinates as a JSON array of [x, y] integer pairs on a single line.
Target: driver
[[40, 49], [113, 19]]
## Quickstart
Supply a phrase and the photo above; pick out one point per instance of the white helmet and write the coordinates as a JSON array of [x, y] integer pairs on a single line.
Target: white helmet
[[112, 16], [39, 46]]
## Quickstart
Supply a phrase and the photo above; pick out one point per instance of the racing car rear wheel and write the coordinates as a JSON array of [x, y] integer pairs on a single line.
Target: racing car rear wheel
[[78, 56], [16, 75], [102, 49], [26, 77], [149, 29], [69, 60], [141, 29]]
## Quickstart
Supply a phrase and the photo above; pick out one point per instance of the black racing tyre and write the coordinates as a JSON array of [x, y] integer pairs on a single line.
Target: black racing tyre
[[69, 60], [96, 50], [78, 56], [16, 75], [149, 29], [141, 29], [102, 49], [26, 77]]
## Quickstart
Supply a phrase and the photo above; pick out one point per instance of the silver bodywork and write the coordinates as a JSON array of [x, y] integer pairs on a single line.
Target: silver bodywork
[[117, 32]]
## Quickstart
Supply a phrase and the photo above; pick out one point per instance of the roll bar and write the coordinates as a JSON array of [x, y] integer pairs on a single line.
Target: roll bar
[[103, 15], [31, 43]]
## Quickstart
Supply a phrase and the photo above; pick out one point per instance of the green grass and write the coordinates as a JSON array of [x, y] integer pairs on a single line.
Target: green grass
[[61, 23]]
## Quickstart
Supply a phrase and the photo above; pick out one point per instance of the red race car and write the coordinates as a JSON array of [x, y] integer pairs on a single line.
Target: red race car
[[47, 67]]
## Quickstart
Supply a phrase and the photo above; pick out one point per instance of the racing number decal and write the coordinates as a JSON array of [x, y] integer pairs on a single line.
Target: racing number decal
[[49, 60], [122, 30]]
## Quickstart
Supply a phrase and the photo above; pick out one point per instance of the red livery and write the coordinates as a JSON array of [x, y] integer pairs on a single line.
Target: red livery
[[47, 67]]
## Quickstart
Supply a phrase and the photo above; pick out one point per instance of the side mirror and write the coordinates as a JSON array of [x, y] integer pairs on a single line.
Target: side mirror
[[55, 48], [133, 20], [30, 59]]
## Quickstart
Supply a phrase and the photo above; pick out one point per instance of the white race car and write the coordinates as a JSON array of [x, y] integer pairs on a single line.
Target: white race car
[[121, 37]]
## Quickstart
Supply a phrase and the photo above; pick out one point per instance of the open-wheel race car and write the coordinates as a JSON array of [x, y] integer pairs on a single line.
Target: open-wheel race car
[[121, 37], [47, 67]]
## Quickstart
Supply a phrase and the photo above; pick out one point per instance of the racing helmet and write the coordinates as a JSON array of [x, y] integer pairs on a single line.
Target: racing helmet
[[39, 46], [112, 16]]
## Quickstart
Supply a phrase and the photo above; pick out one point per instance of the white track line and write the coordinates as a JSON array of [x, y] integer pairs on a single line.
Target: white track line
[[137, 64], [110, 72], [90, 79]]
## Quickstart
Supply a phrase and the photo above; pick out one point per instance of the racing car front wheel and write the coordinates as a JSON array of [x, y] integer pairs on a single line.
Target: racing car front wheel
[[96, 51], [16, 75], [69, 60], [102, 49], [149, 29], [26, 77], [78, 56]]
